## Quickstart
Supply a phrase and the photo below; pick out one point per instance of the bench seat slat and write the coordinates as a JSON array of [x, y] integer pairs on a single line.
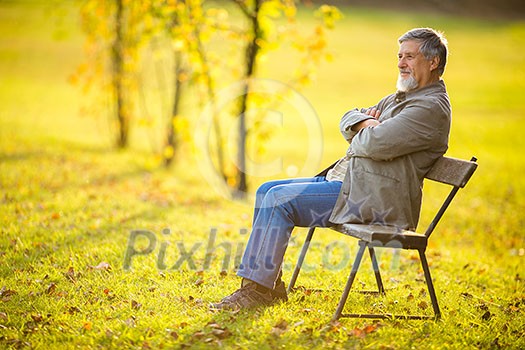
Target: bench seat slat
[[381, 235]]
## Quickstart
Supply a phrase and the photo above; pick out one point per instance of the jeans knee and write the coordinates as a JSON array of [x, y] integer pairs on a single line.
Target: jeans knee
[[276, 196]]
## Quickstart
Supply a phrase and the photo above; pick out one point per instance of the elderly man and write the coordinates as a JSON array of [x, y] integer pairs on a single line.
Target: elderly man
[[392, 146]]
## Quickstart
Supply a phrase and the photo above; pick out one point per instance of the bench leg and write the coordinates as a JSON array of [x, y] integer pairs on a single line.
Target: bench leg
[[375, 266], [300, 261], [350, 280], [430, 285]]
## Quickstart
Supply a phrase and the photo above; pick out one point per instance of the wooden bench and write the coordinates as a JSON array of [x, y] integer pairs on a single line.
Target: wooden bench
[[446, 170]]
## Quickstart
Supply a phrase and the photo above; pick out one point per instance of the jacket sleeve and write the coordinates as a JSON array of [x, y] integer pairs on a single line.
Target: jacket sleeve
[[413, 129], [349, 119]]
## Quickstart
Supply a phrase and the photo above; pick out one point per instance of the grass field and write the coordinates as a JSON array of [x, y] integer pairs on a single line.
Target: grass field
[[69, 203]]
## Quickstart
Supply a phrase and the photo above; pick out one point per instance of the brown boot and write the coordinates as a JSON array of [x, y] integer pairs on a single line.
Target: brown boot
[[251, 295]]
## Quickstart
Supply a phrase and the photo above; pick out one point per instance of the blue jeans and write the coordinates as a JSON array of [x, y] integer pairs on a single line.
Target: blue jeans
[[279, 207]]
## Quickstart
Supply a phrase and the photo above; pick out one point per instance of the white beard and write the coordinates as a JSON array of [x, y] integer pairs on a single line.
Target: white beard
[[406, 84]]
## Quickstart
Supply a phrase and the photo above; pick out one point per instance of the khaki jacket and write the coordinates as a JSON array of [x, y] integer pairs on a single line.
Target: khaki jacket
[[387, 163]]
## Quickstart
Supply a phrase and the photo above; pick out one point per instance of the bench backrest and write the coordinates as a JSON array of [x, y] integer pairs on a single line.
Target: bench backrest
[[454, 172]]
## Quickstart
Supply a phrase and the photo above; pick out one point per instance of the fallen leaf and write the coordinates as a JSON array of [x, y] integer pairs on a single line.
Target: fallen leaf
[[199, 282], [486, 316], [221, 333], [3, 316], [130, 322], [37, 318], [55, 216], [371, 328], [102, 266], [196, 301], [51, 288], [422, 305], [213, 324], [482, 306], [357, 332], [87, 326], [282, 324], [135, 305], [298, 323], [174, 335], [362, 332], [279, 328], [198, 335], [73, 310], [513, 308], [30, 327], [71, 275], [4, 292], [277, 331]]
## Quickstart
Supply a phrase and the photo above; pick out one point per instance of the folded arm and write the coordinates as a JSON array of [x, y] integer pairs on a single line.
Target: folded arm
[[355, 120], [414, 129]]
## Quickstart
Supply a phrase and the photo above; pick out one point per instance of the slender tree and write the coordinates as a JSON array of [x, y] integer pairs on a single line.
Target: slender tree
[[112, 40], [255, 35], [118, 75]]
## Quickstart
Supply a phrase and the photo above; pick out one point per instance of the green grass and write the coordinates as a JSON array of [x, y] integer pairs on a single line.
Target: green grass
[[68, 203]]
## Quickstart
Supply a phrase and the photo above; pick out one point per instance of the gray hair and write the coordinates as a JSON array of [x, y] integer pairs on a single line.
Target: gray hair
[[433, 44]]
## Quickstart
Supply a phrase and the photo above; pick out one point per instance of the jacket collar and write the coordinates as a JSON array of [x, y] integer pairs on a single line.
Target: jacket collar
[[438, 86]]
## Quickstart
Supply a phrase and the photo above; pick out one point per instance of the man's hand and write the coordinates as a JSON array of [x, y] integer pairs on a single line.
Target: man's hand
[[373, 112]]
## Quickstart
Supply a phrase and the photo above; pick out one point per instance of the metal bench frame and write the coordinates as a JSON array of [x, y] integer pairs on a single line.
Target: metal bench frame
[[446, 170]]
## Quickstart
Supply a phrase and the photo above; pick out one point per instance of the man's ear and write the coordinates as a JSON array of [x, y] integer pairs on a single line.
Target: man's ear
[[434, 63]]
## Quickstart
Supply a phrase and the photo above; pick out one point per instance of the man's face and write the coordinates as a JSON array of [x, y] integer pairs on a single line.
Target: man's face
[[415, 71]]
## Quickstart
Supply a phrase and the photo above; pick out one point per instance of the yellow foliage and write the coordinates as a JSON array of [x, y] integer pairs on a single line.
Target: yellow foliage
[[181, 127], [329, 15], [168, 152]]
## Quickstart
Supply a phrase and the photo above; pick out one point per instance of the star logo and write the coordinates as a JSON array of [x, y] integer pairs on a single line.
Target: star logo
[[353, 209], [379, 217], [319, 219]]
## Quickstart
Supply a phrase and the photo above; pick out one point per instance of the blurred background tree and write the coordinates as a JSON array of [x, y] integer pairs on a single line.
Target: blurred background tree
[[211, 47]]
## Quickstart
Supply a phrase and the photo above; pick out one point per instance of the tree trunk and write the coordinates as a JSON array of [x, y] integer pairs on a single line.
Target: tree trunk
[[252, 50], [118, 75], [172, 139]]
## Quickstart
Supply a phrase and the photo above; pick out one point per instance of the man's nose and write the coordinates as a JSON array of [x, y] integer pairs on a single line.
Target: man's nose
[[401, 63]]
